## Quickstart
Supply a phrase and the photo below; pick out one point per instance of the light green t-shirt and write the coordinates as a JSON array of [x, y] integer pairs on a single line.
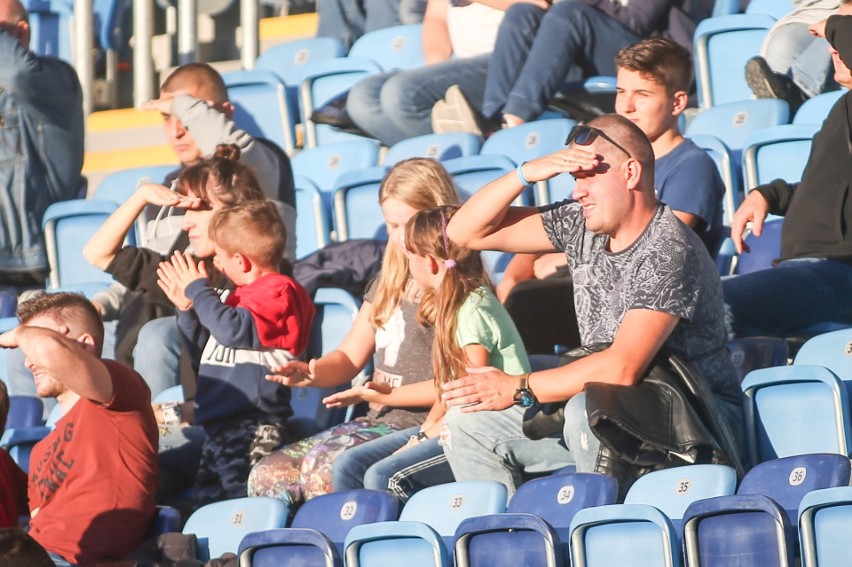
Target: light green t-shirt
[[483, 320]]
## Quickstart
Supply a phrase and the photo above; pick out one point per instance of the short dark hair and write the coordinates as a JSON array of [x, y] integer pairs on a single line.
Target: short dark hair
[[18, 548], [64, 307], [631, 137], [253, 229], [663, 60], [198, 76]]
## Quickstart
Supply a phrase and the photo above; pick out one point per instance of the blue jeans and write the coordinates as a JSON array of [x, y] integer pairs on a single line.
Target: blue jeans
[[781, 300], [794, 52], [178, 456], [572, 40], [347, 19], [156, 356], [490, 445], [59, 561], [374, 465], [397, 105]]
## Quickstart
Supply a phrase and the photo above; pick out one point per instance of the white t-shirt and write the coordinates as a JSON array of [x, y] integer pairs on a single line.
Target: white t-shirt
[[473, 29]]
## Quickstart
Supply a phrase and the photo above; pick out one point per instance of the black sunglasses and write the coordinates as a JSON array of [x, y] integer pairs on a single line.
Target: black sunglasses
[[583, 135]]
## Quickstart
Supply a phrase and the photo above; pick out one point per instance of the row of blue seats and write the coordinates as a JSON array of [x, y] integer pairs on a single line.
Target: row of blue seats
[[548, 520]]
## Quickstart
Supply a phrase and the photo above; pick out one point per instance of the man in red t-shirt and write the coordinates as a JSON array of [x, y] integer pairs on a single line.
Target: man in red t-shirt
[[93, 479]]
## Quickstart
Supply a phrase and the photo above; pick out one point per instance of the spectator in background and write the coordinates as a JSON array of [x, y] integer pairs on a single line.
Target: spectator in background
[[540, 47], [457, 38], [793, 64], [93, 478], [41, 145], [812, 282]]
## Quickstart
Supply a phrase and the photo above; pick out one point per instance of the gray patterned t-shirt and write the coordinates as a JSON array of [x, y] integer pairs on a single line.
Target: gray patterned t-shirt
[[666, 269]]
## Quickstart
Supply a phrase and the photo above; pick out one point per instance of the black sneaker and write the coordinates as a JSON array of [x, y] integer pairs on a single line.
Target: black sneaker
[[766, 83]]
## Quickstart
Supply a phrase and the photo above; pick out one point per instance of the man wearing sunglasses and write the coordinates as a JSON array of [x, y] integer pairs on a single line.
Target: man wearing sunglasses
[[642, 281]]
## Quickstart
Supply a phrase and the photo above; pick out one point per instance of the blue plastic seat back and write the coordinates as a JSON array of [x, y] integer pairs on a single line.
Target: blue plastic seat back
[[775, 8], [763, 249], [832, 350], [167, 520], [721, 47], [753, 353], [19, 443], [508, 540], [725, 7], [725, 163], [737, 531], [260, 106], [824, 519], [357, 213], [312, 222], [336, 513], [324, 164], [395, 47], [24, 411], [50, 28], [441, 147], [68, 226], [220, 526], [626, 535], [815, 110], [120, 185], [672, 490], [779, 152], [389, 543], [732, 122], [288, 547], [794, 410], [472, 173], [444, 506], [336, 310], [787, 480], [171, 394]]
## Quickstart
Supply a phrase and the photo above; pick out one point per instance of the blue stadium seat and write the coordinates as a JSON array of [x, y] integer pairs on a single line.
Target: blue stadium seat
[[824, 520], [166, 521], [832, 350], [50, 28], [8, 301], [119, 185], [789, 479], [535, 528], [721, 47], [763, 249], [286, 547], [775, 8], [68, 226], [324, 164], [260, 106], [627, 535], [312, 222], [793, 410], [731, 176], [336, 311], [357, 213], [738, 531], [753, 353], [222, 525], [172, 394], [472, 173], [672, 490], [19, 443], [529, 141], [725, 7], [426, 527], [290, 60], [441, 147], [815, 110], [24, 411], [733, 121], [779, 152]]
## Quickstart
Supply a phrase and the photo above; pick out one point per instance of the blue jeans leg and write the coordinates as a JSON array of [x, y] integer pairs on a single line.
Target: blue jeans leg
[[412, 470], [381, 14], [514, 41], [490, 445], [781, 300], [178, 456], [340, 18], [350, 467], [395, 106], [156, 356], [571, 34], [59, 561], [582, 443], [411, 11], [813, 70]]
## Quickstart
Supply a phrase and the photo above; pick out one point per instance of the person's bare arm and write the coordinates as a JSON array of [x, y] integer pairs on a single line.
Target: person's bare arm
[[69, 361], [639, 338], [487, 221], [437, 46], [688, 219], [418, 395]]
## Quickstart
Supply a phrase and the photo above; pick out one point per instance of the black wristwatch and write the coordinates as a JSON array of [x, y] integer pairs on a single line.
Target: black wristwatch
[[421, 436], [523, 395]]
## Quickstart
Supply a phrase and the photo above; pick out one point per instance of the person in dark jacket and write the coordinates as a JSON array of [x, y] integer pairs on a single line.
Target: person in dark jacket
[[813, 280]]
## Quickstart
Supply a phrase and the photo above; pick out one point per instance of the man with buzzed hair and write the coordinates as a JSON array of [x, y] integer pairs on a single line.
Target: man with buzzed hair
[[93, 479], [41, 145], [643, 280]]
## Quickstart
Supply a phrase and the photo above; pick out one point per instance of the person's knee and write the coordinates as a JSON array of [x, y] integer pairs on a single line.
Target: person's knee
[[363, 99], [523, 15], [398, 95], [573, 12]]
